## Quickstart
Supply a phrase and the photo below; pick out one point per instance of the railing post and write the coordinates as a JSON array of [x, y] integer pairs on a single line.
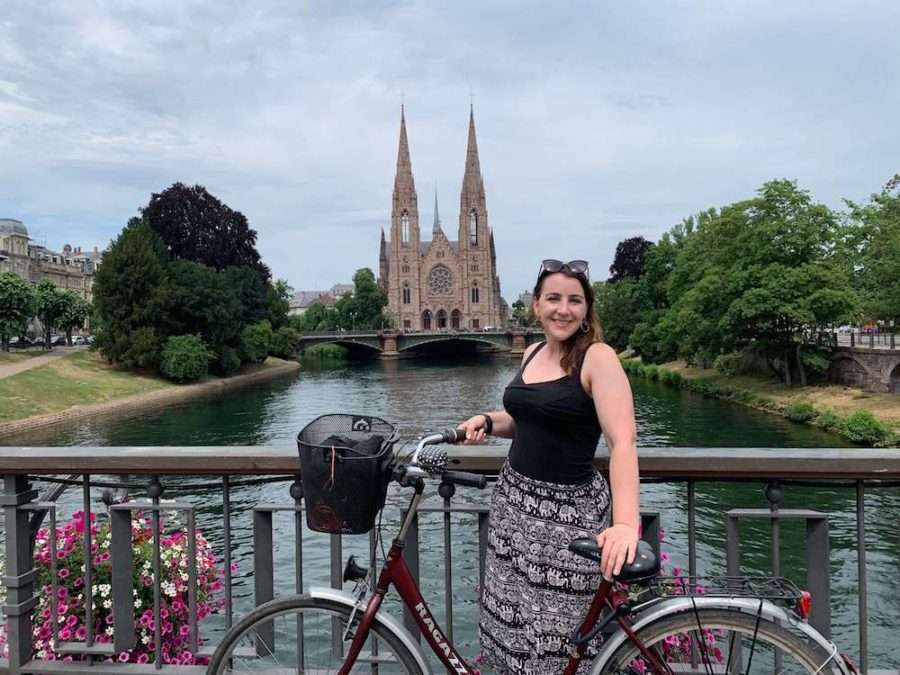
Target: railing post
[[817, 556], [20, 573]]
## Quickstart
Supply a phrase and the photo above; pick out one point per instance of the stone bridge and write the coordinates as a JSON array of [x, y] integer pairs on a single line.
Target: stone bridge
[[390, 344], [874, 369]]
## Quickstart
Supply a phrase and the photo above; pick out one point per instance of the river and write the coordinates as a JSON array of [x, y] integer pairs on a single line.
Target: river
[[422, 395]]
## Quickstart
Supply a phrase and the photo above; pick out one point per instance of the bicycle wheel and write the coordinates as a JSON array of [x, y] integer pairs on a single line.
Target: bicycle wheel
[[722, 641], [302, 634]]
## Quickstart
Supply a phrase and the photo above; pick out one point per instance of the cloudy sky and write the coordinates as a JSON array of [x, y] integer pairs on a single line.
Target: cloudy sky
[[596, 121]]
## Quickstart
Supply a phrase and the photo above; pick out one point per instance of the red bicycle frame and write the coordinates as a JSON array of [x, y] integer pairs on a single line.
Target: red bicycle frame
[[395, 572]]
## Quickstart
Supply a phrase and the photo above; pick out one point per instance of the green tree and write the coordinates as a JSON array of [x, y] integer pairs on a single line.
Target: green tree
[[51, 304], [279, 297], [760, 276], [131, 297], [364, 308], [203, 303], [617, 311], [74, 314], [316, 317], [874, 237], [251, 291], [18, 304]]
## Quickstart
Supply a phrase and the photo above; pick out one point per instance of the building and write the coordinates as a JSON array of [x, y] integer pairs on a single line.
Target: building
[[70, 269], [442, 283], [302, 300]]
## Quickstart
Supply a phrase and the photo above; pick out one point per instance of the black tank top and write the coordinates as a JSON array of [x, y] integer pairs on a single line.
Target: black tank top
[[556, 427]]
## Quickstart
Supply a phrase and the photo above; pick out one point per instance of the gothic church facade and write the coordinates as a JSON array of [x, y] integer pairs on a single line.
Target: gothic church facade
[[443, 283]]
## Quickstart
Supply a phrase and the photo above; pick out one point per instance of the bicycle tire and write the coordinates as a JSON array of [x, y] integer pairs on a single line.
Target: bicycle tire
[[239, 651], [759, 639]]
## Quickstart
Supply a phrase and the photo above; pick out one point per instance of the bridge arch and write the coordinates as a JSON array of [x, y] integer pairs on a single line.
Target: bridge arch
[[848, 370]]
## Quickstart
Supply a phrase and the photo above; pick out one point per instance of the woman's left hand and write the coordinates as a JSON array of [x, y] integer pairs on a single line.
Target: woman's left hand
[[619, 545]]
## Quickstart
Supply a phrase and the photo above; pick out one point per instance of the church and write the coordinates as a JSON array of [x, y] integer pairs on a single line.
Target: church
[[442, 284]]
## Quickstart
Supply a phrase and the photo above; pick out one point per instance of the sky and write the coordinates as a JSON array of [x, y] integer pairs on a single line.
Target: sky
[[596, 121]]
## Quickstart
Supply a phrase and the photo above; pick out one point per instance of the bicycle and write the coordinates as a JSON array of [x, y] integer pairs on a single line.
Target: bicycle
[[716, 624]]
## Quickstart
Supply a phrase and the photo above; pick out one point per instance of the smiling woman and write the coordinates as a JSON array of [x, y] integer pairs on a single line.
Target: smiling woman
[[569, 390]]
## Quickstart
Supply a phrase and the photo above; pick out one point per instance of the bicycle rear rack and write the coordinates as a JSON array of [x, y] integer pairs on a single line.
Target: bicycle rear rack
[[774, 589]]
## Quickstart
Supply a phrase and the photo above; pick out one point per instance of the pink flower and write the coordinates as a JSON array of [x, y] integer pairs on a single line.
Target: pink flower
[[124, 656], [63, 572]]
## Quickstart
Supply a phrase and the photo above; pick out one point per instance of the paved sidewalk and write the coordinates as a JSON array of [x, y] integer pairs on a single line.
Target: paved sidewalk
[[9, 369]]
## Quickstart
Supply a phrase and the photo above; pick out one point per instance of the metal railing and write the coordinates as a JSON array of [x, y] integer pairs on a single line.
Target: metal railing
[[208, 478]]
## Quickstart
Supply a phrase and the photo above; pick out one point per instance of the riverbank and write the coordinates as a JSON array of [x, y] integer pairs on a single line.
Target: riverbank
[[83, 385], [860, 416]]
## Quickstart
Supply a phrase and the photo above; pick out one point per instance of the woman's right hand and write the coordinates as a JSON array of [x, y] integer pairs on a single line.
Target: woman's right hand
[[475, 430]]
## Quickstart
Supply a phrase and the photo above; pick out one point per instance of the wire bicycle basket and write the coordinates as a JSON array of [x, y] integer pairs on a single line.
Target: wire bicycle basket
[[343, 465]]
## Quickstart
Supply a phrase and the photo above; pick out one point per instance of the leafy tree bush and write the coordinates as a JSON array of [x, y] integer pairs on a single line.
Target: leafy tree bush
[[278, 298], [256, 340], [75, 311], [51, 303], [617, 311], [862, 427], [364, 308], [729, 364], [204, 303], [194, 225], [629, 259], [131, 291], [140, 348], [800, 411], [285, 343], [185, 358], [18, 304], [830, 420]]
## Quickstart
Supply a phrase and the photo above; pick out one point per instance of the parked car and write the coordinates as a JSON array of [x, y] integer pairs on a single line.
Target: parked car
[[19, 343], [57, 340], [38, 341], [79, 340], [89, 339]]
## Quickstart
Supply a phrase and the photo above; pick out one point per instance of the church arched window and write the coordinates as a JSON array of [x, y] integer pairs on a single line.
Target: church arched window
[[404, 267], [475, 295], [404, 228], [473, 228], [406, 293]]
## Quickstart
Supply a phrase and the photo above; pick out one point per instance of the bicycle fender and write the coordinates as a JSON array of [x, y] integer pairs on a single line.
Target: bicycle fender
[[748, 606], [389, 622]]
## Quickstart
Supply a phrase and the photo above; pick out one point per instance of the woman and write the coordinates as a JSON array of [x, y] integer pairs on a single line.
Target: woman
[[569, 389]]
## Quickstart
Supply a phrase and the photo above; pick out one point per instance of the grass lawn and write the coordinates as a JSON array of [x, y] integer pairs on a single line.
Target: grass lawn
[[81, 378], [843, 400]]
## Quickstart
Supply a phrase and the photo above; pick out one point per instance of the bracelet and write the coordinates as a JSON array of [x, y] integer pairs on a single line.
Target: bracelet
[[488, 423]]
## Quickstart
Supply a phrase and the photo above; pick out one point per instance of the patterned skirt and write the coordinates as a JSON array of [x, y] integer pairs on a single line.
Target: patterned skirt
[[535, 591]]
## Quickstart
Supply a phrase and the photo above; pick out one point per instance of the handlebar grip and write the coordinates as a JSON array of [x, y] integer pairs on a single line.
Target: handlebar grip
[[454, 435], [464, 478]]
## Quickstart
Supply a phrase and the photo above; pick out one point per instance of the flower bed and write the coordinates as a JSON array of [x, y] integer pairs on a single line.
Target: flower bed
[[69, 595]]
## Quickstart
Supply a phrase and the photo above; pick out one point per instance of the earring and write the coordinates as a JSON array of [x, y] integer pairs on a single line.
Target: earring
[[585, 326]]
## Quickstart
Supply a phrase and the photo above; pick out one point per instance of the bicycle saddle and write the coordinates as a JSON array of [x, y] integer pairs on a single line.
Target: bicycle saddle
[[644, 568]]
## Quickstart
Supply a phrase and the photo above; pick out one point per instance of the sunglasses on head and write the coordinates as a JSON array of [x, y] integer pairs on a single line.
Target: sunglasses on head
[[574, 266]]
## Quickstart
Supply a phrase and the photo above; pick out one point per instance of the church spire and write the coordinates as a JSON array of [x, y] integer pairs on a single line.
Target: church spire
[[404, 178], [436, 227], [472, 194]]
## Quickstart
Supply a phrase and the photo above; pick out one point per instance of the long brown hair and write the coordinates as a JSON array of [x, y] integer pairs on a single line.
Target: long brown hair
[[580, 340]]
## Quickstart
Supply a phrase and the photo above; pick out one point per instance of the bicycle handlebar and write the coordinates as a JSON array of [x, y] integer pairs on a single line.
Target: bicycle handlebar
[[436, 463]]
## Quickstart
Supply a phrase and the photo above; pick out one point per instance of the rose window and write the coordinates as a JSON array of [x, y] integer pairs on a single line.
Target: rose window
[[440, 281]]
